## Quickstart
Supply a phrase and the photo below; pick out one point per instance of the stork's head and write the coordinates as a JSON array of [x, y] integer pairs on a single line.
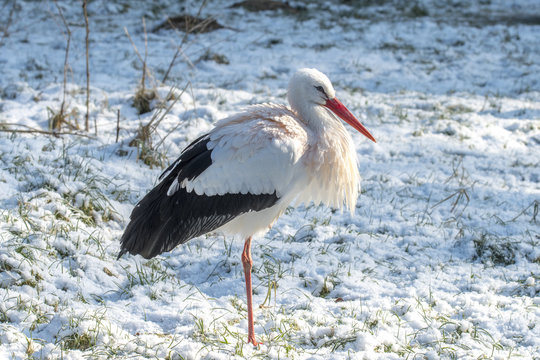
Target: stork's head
[[310, 87]]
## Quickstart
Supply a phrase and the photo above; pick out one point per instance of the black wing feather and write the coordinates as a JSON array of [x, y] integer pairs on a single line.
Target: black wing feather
[[197, 147], [160, 222]]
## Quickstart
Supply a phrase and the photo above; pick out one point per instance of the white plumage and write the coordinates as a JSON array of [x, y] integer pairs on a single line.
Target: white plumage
[[242, 175]]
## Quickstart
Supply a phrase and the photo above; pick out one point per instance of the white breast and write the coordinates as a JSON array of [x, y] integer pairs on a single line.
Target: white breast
[[332, 159]]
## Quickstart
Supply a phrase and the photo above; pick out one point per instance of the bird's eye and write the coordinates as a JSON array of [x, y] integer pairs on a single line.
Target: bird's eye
[[321, 89]]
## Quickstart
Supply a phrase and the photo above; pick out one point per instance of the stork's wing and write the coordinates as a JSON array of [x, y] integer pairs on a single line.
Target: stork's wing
[[256, 157], [218, 177]]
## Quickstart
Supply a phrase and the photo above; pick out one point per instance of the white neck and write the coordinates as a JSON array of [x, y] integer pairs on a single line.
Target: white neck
[[315, 116]]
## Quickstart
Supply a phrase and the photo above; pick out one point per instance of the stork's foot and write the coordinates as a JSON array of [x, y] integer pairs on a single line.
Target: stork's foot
[[251, 340]]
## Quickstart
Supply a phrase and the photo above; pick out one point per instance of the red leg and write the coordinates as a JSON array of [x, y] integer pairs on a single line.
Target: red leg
[[247, 262]]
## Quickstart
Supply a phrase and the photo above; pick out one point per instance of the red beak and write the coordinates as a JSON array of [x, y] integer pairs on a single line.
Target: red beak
[[340, 110]]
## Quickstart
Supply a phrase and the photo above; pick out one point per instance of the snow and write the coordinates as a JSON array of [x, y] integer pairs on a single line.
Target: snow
[[440, 260]]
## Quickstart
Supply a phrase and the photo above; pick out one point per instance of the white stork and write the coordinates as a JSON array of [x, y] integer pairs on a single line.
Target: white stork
[[242, 175]]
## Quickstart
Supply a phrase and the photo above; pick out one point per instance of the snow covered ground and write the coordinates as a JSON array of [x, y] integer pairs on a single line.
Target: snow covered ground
[[441, 259]]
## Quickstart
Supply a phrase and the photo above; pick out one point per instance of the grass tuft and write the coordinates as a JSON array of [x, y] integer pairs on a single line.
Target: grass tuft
[[143, 99], [78, 341], [495, 250]]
